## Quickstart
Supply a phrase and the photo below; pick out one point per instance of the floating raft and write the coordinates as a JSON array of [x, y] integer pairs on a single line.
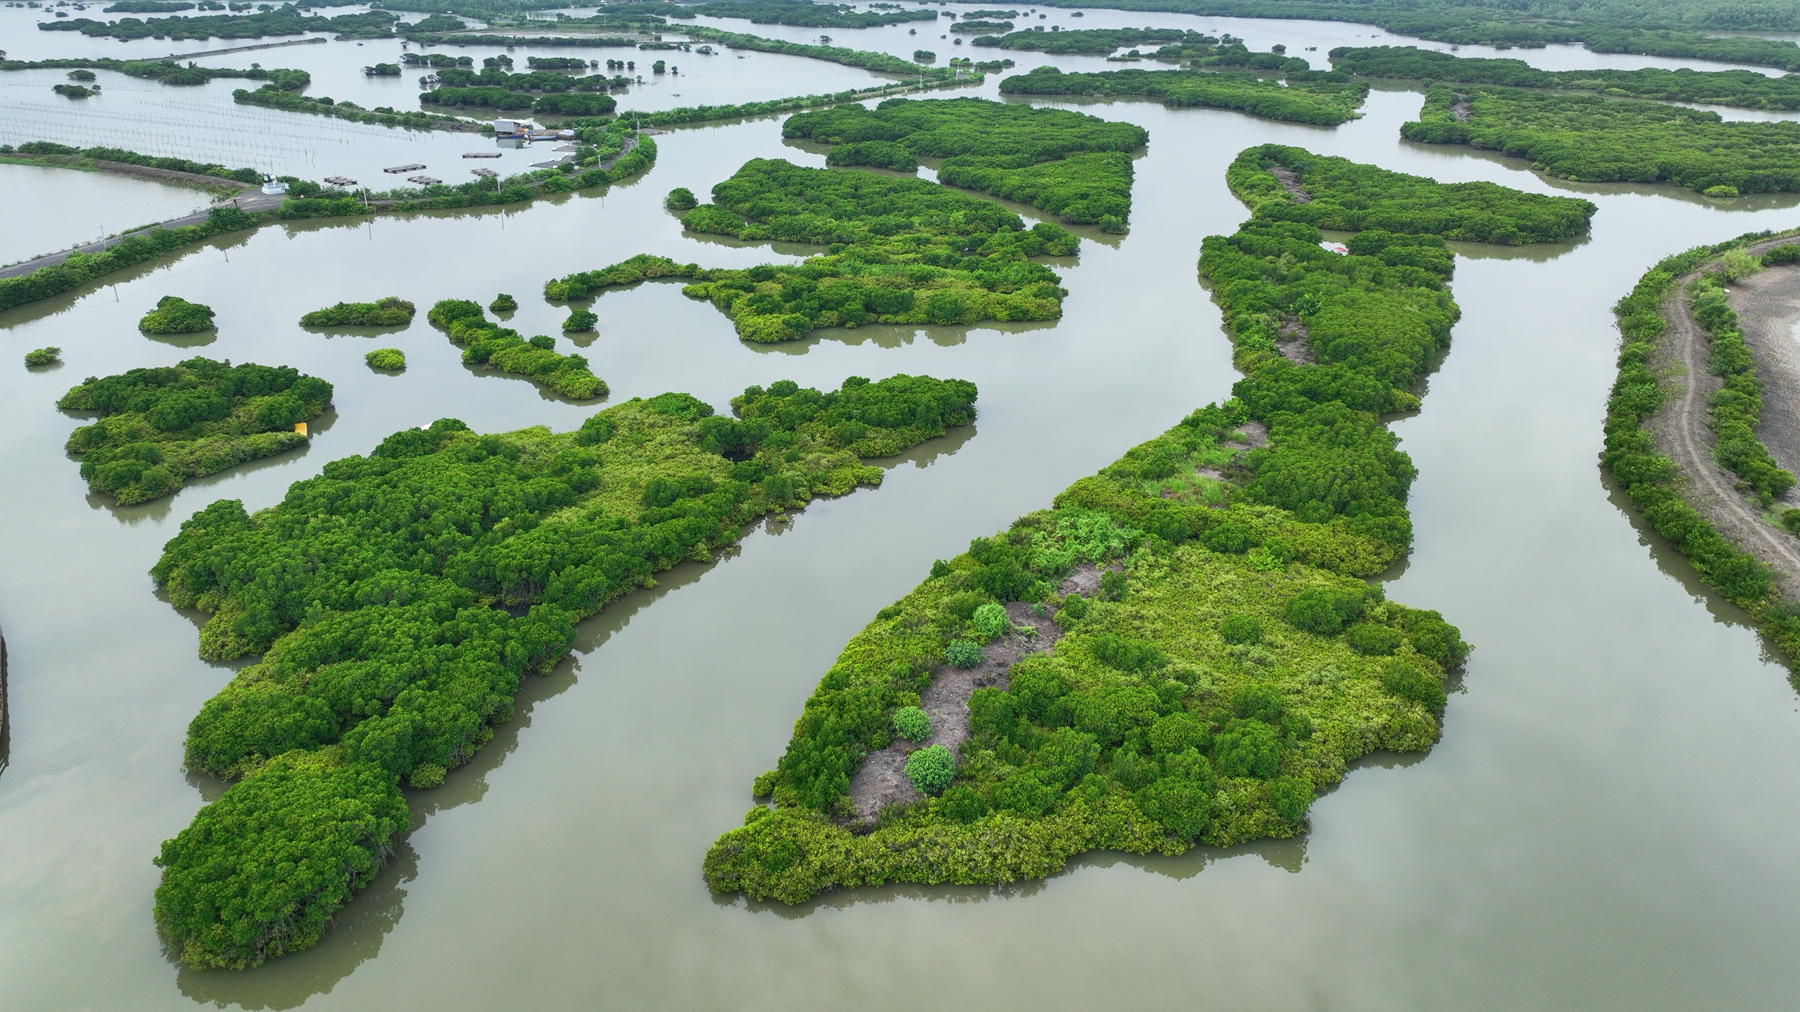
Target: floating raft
[[340, 180], [484, 173], [424, 180], [482, 154], [397, 169]]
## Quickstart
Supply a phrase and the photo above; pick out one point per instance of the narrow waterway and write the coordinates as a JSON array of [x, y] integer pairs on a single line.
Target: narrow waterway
[[1608, 822]]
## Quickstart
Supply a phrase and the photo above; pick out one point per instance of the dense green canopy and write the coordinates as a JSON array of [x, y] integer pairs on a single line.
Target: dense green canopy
[[160, 427], [398, 599], [1315, 100], [1593, 138], [1070, 164]]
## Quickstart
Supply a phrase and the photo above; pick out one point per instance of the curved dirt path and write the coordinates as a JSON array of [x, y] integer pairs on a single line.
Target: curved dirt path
[[1680, 430]]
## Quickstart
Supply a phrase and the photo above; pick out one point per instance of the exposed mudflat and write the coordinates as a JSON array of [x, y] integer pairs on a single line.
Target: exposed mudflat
[[1293, 343], [882, 779], [1290, 180]]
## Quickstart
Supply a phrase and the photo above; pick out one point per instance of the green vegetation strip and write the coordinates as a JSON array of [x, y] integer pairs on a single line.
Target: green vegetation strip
[[1592, 138], [1300, 100], [880, 63], [1735, 411], [1674, 28], [81, 268], [169, 72], [1745, 88], [805, 14], [160, 427], [392, 311], [685, 115], [503, 350], [398, 599], [324, 105], [1072, 165], [284, 20], [46, 148], [1233, 663], [1653, 481]]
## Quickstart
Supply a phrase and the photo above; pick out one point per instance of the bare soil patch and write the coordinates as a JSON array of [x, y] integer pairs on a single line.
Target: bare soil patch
[[1460, 108], [1680, 429], [1292, 343], [882, 779], [1290, 180]]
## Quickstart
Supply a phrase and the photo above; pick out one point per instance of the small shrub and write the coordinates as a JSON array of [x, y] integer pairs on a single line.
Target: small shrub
[[1409, 681], [681, 199], [543, 342], [386, 358], [1720, 191], [1241, 629], [931, 769], [174, 315], [963, 654], [1075, 606], [924, 56], [1112, 585], [1372, 639], [579, 321], [426, 776], [1790, 519], [503, 303], [912, 723], [991, 620], [1290, 797], [1324, 610], [53, 355], [1737, 265], [1257, 702], [1787, 254]]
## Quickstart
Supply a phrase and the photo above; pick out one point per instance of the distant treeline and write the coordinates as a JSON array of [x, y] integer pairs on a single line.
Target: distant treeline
[[1311, 98], [1745, 88], [1593, 138]]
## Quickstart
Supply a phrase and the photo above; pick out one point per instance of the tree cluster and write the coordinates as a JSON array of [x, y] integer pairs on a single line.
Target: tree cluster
[[501, 349], [176, 315], [1745, 88], [159, 427], [901, 251], [398, 599], [1594, 138], [392, 311], [1070, 164]]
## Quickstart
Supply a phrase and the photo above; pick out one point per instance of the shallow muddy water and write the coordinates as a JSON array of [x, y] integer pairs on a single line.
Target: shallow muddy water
[[1608, 822]]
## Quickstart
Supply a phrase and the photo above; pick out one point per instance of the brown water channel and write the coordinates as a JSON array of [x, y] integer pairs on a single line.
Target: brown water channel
[[1608, 823]]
